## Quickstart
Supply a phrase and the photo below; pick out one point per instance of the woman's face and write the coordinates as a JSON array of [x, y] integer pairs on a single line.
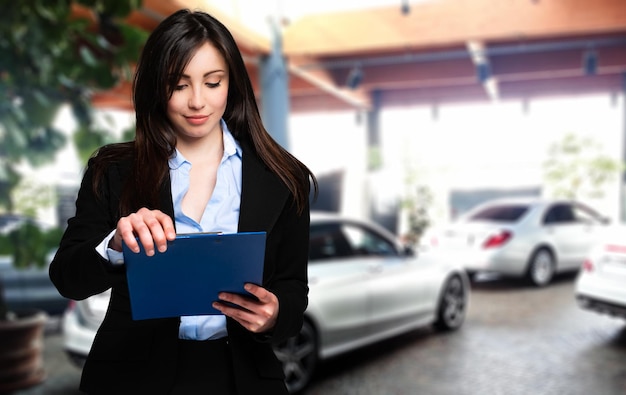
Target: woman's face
[[199, 99]]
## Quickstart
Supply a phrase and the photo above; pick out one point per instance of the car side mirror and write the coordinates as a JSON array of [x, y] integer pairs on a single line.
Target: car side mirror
[[408, 251]]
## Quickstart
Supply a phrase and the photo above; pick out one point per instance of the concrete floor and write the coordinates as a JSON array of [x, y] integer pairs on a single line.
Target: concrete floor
[[517, 340]]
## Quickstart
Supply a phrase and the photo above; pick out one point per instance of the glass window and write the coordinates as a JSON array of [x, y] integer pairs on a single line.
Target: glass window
[[327, 242], [365, 242], [585, 215], [331, 241], [559, 214], [500, 213]]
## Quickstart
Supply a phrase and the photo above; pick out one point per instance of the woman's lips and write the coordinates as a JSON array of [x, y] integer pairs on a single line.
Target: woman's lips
[[197, 119]]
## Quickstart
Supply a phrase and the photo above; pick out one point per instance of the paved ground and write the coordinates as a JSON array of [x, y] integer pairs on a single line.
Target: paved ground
[[517, 340]]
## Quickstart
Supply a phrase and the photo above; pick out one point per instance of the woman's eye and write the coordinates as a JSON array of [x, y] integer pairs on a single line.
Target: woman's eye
[[180, 87], [213, 85]]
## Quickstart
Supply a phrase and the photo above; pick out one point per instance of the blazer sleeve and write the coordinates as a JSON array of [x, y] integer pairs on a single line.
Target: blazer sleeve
[[288, 281], [77, 270]]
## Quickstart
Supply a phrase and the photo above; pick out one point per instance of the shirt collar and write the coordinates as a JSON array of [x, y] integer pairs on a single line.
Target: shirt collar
[[231, 147]]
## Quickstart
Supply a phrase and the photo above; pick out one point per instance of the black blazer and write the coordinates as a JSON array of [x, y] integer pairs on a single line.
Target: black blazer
[[140, 356]]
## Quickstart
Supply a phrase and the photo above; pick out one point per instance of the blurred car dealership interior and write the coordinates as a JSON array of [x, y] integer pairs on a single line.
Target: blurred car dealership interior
[[412, 114], [406, 119]]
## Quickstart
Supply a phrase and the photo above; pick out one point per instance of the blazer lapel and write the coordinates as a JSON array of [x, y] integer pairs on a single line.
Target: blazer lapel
[[165, 197], [263, 195]]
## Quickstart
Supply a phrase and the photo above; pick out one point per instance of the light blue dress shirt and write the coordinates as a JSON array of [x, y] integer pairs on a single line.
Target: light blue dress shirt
[[220, 215]]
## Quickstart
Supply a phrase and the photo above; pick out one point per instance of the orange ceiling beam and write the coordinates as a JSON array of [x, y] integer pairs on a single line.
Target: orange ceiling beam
[[321, 49], [445, 22]]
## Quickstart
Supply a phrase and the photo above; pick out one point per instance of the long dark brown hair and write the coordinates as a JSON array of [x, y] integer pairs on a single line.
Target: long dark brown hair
[[165, 55]]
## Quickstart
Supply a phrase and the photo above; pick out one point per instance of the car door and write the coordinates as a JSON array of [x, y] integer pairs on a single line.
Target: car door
[[590, 224], [337, 286], [569, 234], [393, 288]]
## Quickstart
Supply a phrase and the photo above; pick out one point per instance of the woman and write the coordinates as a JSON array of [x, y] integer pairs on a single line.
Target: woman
[[201, 161]]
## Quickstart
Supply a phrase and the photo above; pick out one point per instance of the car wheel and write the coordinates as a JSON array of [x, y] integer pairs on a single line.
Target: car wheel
[[541, 267], [452, 305], [298, 355]]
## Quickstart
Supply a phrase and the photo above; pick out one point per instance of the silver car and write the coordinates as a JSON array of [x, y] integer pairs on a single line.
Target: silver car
[[522, 237], [364, 287]]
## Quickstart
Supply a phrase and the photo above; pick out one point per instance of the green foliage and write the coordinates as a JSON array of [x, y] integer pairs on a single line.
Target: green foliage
[[374, 158], [29, 244], [30, 196], [128, 134], [577, 168], [9, 178], [51, 57], [417, 205], [87, 140]]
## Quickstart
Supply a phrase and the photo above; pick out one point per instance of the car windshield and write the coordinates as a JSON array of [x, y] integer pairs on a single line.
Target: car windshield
[[501, 213]]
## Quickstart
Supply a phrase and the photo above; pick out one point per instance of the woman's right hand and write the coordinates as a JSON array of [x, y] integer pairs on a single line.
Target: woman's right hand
[[153, 228]]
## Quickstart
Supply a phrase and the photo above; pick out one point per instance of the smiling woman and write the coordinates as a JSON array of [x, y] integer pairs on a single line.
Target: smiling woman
[[201, 161], [199, 99]]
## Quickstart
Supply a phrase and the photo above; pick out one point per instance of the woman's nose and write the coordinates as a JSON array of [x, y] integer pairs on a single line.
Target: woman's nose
[[196, 101]]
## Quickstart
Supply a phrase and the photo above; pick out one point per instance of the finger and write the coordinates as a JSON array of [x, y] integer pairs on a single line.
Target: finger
[[247, 319], [162, 229], [142, 231], [261, 313], [154, 228], [238, 300], [124, 234], [261, 293], [168, 226]]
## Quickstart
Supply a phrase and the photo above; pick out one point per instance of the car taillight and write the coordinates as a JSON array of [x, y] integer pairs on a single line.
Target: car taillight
[[498, 239], [71, 305], [434, 242], [588, 266], [619, 249]]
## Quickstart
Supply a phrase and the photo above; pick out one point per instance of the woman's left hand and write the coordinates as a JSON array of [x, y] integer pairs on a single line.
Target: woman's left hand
[[255, 315]]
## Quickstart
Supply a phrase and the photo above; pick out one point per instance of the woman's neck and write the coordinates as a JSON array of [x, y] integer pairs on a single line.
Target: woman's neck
[[210, 148]]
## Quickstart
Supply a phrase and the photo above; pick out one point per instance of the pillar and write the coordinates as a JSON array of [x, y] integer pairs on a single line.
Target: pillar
[[275, 90]]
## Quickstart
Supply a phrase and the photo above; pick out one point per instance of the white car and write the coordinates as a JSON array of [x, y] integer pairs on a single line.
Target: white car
[[520, 237], [364, 287], [601, 282]]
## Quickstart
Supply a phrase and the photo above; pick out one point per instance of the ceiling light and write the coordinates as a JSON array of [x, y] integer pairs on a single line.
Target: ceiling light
[[590, 62], [406, 9], [483, 72], [355, 77]]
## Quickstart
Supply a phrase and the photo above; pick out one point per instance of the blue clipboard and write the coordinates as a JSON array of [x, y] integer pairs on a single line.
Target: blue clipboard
[[186, 279]]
